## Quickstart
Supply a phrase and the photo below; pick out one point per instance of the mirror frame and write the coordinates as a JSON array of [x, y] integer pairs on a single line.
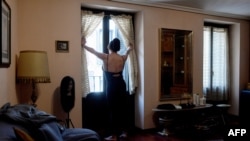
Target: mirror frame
[[189, 75]]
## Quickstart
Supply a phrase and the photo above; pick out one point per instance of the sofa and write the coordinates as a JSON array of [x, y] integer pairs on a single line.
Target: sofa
[[23, 122]]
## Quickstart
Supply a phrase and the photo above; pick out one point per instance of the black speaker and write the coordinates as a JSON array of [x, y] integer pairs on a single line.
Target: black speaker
[[67, 90]]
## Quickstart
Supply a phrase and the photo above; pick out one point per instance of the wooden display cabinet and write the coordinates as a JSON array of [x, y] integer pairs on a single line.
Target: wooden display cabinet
[[175, 62]]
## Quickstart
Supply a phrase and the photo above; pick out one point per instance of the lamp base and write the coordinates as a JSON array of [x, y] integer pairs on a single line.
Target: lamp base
[[33, 99], [34, 95]]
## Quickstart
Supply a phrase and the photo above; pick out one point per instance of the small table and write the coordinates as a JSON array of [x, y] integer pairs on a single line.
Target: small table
[[223, 111], [176, 114], [200, 107]]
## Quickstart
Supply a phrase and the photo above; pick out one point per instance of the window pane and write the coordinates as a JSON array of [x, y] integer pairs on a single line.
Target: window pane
[[219, 56], [95, 71], [206, 57], [94, 63], [115, 33], [215, 63]]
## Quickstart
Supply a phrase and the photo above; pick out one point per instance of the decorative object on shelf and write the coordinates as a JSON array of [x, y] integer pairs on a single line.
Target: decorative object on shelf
[[33, 68], [62, 46], [5, 55], [248, 86]]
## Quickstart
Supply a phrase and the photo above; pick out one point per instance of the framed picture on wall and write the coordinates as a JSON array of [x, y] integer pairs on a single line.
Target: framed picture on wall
[[62, 46], [5, 55]]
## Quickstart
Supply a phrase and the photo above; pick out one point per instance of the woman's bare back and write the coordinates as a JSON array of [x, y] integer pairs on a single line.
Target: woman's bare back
[[114, 63]]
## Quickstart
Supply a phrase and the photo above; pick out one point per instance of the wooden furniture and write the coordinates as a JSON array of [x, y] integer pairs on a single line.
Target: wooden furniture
[[223, 108], [201, 107], [175, 62], [196, 118]]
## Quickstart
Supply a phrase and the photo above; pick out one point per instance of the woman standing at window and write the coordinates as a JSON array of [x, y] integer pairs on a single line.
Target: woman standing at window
[[113, 65]]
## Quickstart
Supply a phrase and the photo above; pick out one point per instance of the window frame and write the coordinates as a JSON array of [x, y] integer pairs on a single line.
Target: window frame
[[106, 19], [215, 25], [105, 36]]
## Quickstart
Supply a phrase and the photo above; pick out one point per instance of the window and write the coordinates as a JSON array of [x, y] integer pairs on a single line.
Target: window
[[216, 76], [99, 39]]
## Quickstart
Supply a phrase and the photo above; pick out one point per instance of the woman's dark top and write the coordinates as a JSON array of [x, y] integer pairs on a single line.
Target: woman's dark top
[[115, 83]]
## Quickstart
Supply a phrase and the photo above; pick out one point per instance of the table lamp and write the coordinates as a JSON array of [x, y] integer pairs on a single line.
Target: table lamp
[[33, 68]]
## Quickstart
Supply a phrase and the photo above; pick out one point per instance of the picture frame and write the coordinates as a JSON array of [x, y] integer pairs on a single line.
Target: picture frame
[[5, 55], [62, 46]]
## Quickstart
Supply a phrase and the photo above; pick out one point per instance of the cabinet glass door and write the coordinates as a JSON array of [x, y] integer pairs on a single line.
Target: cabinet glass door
[[175, 62]]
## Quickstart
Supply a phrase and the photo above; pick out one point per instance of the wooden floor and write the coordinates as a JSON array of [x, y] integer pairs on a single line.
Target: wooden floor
[[158, 137], [153, 135], [216, 134]]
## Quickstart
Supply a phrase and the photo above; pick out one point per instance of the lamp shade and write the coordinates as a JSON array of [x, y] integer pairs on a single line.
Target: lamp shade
[[33, 67]]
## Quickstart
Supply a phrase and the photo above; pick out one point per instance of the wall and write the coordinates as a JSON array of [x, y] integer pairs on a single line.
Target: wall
[[39, 23], [7, 75], [155, 18]]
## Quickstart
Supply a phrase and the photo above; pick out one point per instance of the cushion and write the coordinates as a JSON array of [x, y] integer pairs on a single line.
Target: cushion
[[80, 134], [49, 132], [6, 130], [22, 135]]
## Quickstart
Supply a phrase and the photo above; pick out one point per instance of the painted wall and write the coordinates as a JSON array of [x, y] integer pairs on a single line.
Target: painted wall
[[38, 24], [7, 75]]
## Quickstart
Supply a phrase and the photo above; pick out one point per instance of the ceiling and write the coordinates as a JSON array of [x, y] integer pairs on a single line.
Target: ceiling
[[228, 8]]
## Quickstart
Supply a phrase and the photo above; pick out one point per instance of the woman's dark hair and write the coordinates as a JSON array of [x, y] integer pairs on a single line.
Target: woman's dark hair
[[114, 45]]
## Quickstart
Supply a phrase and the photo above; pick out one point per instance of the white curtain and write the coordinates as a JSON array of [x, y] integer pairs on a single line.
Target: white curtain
[[125, 25], [89, 22], [216, 78]]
